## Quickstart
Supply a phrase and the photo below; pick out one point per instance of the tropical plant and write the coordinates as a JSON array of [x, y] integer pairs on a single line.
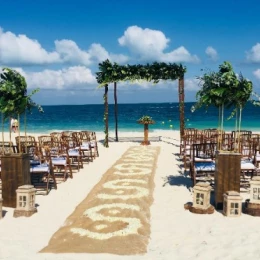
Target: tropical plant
[[14, 99], [224, 89], [145, 120]]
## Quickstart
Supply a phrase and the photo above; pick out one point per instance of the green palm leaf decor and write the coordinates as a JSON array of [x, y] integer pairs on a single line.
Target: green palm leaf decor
[[14, 99], [224, 89], [146, 120]]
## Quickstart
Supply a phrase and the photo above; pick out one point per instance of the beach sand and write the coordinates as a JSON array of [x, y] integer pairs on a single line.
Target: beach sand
[[175, 234]]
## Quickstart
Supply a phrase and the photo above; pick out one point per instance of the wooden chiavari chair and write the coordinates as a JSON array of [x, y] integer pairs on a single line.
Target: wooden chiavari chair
[[84, 145], [73, 150], [88, 136], [202, 167], [187, 132]]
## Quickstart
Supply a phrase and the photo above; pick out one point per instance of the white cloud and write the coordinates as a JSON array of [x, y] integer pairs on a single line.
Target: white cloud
[[189, 85], [212, 53], [149, 44], [72, 77], [254, 54], [18, 50], [180, 54], [145, 44], [144, 41], [257, 74], [98, 53], [70, 52], [141, 84], [22, 50]]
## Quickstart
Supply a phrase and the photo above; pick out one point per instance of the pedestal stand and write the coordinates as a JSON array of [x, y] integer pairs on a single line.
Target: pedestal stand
[[15, 173], [227, 175]]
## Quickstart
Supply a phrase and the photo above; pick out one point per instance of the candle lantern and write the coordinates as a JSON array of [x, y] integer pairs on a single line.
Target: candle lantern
[[255, 190], [232, 206], [252, 205], [25, 201], [201, 199]]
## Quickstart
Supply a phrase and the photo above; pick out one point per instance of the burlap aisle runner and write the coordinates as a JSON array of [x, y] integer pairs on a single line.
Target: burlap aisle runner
[[114, 218]]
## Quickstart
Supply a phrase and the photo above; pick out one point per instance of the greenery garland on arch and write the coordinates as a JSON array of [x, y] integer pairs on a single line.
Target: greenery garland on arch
[[113, 73]]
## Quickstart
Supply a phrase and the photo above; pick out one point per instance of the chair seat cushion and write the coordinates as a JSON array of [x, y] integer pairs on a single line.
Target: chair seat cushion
[[205, 166], [59, 161], [257, 157], [73, 152], [40, 168], [83, 148], [247, 165], [34, 162], [200, 159]]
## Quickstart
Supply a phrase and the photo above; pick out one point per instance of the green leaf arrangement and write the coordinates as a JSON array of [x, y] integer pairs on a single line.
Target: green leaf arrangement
[[145, 120], [14, 98]]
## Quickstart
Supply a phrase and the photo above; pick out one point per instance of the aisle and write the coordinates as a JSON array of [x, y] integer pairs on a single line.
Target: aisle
[[115, 216]]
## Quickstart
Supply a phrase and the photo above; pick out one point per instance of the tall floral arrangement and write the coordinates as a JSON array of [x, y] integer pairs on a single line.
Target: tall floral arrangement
[[145, 120], [14, 99], [225, 89]]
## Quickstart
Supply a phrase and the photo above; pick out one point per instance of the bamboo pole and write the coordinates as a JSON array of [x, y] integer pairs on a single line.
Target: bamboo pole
[[239, 125], [222, 123], [106, 116], [18, 117], [2, 119], [115, 110], [181, 105], [25, 132], [10, 135]]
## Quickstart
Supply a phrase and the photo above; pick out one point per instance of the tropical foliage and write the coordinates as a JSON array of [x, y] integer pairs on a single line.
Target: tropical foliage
[[145, 120], [154, 72], [225, 89], [14, 99]]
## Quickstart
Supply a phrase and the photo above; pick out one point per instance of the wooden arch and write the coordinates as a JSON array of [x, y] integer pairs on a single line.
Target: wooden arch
[[113, 73]]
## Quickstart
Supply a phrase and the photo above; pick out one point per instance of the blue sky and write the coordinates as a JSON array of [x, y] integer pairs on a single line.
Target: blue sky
[[57, 45]]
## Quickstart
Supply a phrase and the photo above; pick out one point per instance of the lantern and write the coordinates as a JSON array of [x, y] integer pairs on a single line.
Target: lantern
[[255, 190], [252, 205], [232, 206], [201, 197], [25, 201]]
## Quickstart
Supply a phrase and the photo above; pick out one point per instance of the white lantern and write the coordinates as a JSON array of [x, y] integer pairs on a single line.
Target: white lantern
[[201, 196], [255, 190], [25, 201], [232, 206]]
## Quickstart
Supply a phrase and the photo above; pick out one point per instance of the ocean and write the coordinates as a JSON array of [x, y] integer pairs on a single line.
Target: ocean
[[166, 116]]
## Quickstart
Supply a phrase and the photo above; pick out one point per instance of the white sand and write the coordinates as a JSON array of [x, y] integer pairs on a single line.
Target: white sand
[[175, 233]]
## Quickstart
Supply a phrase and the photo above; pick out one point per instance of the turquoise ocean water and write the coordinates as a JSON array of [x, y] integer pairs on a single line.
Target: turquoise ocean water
[[166, 116]]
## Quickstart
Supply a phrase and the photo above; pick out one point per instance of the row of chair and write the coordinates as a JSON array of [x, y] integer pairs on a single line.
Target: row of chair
[[243, 141], [55, 155], [198, 150], [203, 164]]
